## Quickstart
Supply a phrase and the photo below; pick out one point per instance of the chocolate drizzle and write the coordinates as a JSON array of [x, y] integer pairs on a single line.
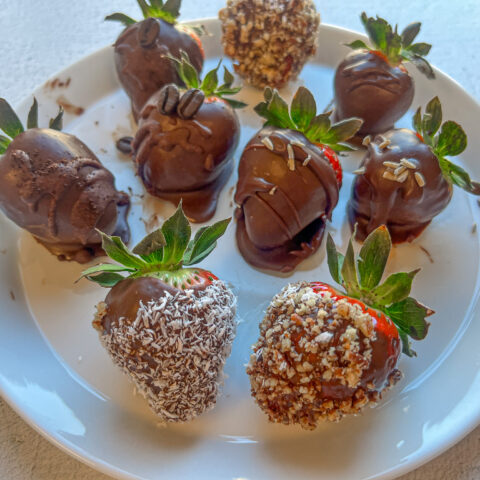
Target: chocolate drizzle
[[52, 185], [189, 159], [406, 205], [141, 58], [283, 201], [368, 87]]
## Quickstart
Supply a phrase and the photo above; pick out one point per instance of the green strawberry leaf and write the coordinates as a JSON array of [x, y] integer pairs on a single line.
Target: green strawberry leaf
[[57, 122], [341, 131], [204, 242], [4, 143], [116, 250], [417, 121], [378, 30], [228, 79], [409, 33], [406, 345], [210, 81], [335, 260], [177, 232], [106, 267], [409, 316], [235, 103], [452, 139], [303, 108], [420, 49], [172, 7], [106, 279], [186, 71], [458, 176], [151, 247], [394, 289], [349, 271], [422, 65], [32, 120], [432, 119], [373, 257], [319, 127], [357, 45], [122, 18], [9, 121]]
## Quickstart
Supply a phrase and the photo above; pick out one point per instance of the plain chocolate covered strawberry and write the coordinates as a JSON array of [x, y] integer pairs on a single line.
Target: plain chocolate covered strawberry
[[372, 83], [186, 139], [405, 179], [168, 325], [142, 48], [53, 185], [289, 178], [322, 353]]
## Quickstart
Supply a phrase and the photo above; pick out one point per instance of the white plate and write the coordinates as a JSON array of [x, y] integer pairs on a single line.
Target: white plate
[[54, 372]]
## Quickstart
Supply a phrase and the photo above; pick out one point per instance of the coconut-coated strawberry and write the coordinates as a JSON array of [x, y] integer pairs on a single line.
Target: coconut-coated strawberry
[[142, 49], [168, 325], [322, 353]]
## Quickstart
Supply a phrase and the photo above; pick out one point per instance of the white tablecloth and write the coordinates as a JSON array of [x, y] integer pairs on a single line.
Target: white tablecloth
[[38, 38]]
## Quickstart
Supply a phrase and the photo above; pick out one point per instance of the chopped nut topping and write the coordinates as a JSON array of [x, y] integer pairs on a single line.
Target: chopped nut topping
[[407, 163], [268, 143], [360, 171], [366, 140], [420, 179]]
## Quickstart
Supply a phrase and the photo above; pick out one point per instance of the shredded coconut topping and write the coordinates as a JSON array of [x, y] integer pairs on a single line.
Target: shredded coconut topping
[[311, 345], [175, 350]]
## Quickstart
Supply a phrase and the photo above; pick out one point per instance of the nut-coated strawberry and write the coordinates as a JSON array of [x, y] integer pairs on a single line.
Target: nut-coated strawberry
[[323, 354]]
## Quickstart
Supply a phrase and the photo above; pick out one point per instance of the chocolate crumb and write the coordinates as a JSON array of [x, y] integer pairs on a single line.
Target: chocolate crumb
[[69, 107], [427, 253]]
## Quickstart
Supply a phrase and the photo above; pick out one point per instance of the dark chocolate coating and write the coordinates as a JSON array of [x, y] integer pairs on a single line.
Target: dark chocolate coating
[[142, 70], [280, 228], [368, 87], [123, 300], [405, 208], [53, 185], [189, 159]]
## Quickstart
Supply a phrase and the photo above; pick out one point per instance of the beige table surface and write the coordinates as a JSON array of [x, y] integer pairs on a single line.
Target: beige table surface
[[38, 38]]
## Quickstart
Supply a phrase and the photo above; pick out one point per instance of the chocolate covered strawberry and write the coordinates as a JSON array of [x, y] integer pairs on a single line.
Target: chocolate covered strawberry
[[372, 82], [405, 179], [186, 139], [53, 185], [288, 181], [322, 353], [168, 325], [142, 48]]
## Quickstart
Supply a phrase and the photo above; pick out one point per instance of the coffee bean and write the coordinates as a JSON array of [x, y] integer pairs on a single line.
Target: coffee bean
[[148, 32], [168, 98], [124, 144], [190, 102]]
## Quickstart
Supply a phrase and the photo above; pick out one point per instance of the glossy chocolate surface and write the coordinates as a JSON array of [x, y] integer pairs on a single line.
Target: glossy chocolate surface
[[189, 159], [368, 87], [53, 185], [141, 61], [282, 212], [405, 207]]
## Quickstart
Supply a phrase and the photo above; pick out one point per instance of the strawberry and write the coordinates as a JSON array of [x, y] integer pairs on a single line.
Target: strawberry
[[324, 354], [54, 186], [289, 181], [372, 82], [142, 48], [405, 179], [169, 328], [186, 138]]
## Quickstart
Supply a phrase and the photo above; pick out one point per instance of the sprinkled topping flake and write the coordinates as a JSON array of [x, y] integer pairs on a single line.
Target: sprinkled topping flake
[[307, 159], [407, 163], [308, 340], [268, 143], [360, 171], [384, 143], [273, 190], [366, 140], [175, 350], [420, 179]]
